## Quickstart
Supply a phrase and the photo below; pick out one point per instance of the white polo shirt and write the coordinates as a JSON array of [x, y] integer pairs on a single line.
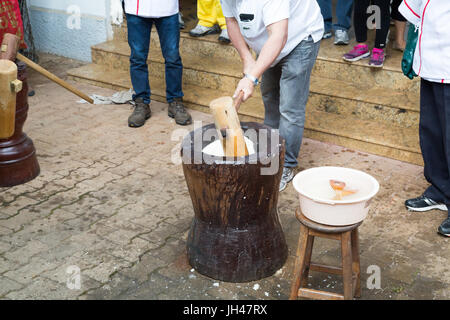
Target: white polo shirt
[[152, 8], [432, 55], [254, 16]]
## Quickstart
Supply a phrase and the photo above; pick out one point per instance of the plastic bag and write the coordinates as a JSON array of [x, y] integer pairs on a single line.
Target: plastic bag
[[408, 54]]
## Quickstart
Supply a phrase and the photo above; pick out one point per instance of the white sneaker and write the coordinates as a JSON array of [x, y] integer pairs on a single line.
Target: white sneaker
[[341, 37], [224, 37], [288, 175], [200, 31]]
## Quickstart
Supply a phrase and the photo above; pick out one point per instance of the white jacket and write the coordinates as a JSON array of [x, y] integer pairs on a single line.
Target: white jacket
[[432, 56], [152, 8]]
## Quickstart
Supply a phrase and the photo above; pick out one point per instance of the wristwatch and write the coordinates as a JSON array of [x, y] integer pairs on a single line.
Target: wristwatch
[[252, 78]]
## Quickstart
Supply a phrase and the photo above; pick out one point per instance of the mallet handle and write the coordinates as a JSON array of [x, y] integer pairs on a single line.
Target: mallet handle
[[54, 78], [238, 101]]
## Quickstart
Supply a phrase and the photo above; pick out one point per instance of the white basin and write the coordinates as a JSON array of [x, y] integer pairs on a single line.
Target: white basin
[[316, 195]]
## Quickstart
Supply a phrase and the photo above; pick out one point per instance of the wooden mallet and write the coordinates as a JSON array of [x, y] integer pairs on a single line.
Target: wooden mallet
[[228, 125], [9, 51]]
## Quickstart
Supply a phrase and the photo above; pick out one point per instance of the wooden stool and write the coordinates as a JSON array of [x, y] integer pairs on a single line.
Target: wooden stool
[[350, 270]]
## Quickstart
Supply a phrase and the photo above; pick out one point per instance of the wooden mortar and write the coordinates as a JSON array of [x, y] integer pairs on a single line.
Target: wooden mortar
[[235, 235]]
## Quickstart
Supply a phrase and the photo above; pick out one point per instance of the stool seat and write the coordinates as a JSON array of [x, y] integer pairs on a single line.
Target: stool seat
[[350, 270], [323, 227]]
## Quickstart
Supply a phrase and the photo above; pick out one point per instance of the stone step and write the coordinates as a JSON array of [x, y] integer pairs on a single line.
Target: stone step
[[211, 72], [208, 46], [329, 62], [366, 135], [330, 95]]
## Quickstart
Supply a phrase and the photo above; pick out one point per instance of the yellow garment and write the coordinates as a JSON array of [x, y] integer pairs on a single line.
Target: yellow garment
[[209, 13]]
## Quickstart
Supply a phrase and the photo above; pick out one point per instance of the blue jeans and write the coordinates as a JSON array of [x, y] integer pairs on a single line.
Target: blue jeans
[[285, 91], [343, 12], [139, 31]]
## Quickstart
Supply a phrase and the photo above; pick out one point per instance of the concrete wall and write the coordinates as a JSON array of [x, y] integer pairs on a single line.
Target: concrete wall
[[70, 27]]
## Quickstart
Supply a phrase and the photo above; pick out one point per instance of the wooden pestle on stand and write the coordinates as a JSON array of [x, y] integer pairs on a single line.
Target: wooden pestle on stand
[[9, 86], [228, 126]]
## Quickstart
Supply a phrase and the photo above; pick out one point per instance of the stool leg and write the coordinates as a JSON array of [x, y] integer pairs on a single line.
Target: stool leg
[[299, 262], [308, 254], [347, 265], [356, 262]]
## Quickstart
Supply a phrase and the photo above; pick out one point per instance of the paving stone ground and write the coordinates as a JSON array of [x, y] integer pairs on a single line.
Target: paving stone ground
[[110, 201]]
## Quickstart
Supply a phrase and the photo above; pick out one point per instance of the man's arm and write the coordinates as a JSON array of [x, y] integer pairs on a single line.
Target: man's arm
[[239, 43], [278, 35]]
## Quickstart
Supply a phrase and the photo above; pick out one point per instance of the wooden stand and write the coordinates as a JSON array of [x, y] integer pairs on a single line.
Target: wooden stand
[[350, 270], [18, 162], [235, 235]]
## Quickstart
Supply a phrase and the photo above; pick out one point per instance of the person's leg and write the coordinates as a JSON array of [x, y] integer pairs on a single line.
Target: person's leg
[[169, 37], [360, 17], [327, 13], [382, 31], [206, 13], [385, 22], [400, 28], [270, 91], [344, 10], [224, 38], [444, 93], [139, 30], [435, 144], [344, 18], [207, 19], [400, 25], [432, 143], [294, 91], [220, 18]]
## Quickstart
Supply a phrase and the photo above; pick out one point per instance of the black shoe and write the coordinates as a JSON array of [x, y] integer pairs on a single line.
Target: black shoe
[[444, 228], [179, 113], [141, 113], [423, 203]]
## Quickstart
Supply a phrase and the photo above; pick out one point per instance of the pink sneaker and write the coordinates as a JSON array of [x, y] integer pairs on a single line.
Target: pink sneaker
[[358, 52], [377, 59]]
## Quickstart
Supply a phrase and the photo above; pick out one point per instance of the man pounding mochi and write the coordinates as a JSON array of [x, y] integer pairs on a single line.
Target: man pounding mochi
[[141, 16], [286, 36]]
